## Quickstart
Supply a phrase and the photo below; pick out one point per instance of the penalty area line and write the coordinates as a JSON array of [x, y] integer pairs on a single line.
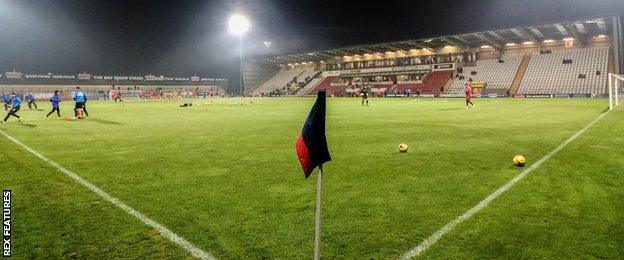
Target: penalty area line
[[431, 240], [173, 237]]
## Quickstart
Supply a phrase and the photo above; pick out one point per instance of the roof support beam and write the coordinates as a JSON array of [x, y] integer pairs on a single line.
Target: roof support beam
[[576, 35], [459, 38], [488, 40], [420, 45], [496, 35], [349, 52], [392, 47], [561, 29], [299, 57], [291, 60], [323, 54], [536, 32], [528, 35], [343, 52], [369, 50], [455, 43], [281, 58]]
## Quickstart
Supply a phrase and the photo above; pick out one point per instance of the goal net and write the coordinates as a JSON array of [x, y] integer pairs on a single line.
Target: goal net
[[616, 90]]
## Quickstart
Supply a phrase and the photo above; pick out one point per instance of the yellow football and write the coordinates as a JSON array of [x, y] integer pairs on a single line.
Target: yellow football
[[402, 147], [519, 160]]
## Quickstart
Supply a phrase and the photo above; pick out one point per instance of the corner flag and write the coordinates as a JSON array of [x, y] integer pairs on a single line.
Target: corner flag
[[312, 151], [312, 144]]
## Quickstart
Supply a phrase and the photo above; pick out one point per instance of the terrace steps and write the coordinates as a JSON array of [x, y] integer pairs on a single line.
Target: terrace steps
[[515, 84]]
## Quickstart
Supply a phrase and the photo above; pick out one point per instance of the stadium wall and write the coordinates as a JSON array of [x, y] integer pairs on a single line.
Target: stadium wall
[[255, 74], [43, 91]]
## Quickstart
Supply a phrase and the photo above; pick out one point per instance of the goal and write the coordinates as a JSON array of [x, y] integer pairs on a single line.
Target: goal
[[616, 90]]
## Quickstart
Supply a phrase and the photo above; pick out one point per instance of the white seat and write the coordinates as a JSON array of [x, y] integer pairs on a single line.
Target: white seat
[[497, 75], [547, 74]]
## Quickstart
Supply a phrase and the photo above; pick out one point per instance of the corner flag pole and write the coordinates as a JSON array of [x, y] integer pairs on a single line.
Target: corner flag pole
[[312, 151], [317, 229]]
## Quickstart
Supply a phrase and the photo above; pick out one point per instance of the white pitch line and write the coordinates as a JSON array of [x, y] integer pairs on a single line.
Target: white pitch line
[[173, 237], [429, 241]]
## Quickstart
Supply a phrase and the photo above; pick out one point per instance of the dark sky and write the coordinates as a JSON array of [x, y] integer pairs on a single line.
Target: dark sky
[[185, 37]]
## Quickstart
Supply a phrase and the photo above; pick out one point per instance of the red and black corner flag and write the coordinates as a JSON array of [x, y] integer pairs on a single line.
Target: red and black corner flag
[[312, 144]]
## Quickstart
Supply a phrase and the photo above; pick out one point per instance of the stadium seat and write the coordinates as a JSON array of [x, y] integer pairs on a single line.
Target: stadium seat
[[497, 75], [547, 74], [432, 83], [325, 83], [281, 79]]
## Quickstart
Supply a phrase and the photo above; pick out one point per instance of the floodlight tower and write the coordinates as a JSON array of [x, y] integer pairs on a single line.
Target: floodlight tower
[[239, 25]]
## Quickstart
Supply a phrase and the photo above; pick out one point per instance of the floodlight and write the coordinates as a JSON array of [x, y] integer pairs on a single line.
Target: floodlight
[[238, 24]]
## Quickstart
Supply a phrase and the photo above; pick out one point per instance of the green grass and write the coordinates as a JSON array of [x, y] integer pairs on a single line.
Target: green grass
[[228, 179]]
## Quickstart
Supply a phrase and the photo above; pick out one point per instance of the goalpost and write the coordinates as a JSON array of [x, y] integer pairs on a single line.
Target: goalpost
[[616, 85]]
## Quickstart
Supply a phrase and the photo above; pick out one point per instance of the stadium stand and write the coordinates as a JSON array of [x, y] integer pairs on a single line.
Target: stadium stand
[[311, 84], [305, 75], [573, 71], [538, 60], [325, 83], [337, 90], [498, 74], [279, 80], [433, 83]]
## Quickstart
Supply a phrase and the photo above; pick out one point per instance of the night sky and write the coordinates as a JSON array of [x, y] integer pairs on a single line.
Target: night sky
[[185, 37]]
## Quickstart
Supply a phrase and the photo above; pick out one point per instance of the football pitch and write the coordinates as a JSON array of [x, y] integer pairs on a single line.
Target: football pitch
[[224, 175]]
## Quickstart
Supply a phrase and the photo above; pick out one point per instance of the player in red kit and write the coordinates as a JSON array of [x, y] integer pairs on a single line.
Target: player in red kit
[[116, 95], [468, 91]]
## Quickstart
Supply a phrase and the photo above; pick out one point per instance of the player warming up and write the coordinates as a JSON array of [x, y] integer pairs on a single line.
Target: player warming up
[[17, 102], [6, 100], [116, 95], [30, 97], [80, 98], [468, 91], [55, 100], [364, 94]]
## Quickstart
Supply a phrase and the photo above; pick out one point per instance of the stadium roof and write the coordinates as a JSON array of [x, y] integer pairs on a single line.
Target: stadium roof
[[582, 30]]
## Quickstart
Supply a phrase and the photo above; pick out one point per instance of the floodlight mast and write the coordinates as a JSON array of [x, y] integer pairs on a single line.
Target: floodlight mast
[[239, 25]]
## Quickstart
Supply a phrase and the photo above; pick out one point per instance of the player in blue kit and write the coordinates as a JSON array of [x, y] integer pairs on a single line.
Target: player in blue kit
[[15, 106], [81, 100], [55, 100], [6, 100], [30, 97]]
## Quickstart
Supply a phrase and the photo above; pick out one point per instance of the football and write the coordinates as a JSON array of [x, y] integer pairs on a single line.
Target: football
[[402, 147], [519, 160]]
